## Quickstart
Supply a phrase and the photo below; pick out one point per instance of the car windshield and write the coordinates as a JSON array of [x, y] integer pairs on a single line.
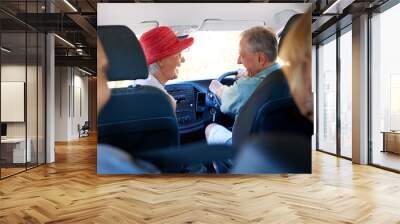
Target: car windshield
[[212, 54]]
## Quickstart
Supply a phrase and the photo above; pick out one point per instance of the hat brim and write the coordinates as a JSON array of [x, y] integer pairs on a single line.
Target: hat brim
[[185, 43], [180, 46]]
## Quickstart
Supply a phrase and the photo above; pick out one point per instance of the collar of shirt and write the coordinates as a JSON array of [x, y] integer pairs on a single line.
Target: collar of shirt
[[151, 81], [270, 69], [155, 81]]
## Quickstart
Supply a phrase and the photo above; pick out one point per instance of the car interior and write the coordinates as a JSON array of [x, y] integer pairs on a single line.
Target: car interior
[[140, 120]]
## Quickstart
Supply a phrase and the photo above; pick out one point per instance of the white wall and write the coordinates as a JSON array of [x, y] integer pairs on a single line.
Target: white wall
[[71, 94], [80, 112], [33, 126], [17, 73], [62, 82], [12, 101], [13, 73]]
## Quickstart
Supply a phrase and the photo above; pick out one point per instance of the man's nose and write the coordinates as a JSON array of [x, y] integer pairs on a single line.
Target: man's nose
[[182, 59], [239, 61]]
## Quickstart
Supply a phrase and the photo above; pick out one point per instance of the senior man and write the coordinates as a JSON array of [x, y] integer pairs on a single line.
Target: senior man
[[257, 53]]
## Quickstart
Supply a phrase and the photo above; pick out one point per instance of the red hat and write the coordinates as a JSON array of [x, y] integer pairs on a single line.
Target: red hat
[[161, 42]]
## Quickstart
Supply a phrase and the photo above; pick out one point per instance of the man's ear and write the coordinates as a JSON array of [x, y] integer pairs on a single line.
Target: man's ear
[[262, 58]]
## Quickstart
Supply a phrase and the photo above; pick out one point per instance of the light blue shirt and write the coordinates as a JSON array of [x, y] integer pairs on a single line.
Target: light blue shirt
[[235, 96]]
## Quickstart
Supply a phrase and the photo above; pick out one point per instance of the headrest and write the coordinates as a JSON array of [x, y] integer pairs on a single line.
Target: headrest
[[126, 60], [286, 29]]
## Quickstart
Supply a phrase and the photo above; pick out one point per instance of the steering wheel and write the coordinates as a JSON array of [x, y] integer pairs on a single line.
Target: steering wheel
[[227, 74], [215, 101], [212, 95]]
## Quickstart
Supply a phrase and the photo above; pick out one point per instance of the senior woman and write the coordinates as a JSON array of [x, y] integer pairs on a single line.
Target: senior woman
[[163, 54], [296, 53]]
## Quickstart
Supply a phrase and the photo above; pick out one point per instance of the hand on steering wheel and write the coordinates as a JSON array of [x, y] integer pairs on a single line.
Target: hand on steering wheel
[[216, 85], [215, 101]]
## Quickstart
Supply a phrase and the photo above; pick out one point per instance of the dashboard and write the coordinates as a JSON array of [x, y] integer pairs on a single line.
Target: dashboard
[[196, 106], [193, 104]]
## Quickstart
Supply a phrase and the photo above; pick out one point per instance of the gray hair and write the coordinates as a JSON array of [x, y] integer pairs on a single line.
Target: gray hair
[[153, 68], [261, 39]]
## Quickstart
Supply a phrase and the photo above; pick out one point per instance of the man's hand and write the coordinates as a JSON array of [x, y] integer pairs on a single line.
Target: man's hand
[[242, 72], [217, 88]]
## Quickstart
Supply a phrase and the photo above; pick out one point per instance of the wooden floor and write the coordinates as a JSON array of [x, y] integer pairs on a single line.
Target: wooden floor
[[10, 171], [70, 191], [5, 172]]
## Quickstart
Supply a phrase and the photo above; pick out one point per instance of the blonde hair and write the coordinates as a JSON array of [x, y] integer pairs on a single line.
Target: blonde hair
[[297, 43], [296, 54]]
